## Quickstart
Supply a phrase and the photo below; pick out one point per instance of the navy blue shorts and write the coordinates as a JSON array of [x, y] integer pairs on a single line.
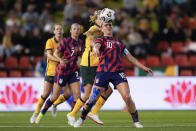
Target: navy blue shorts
[[102, 79], [61, 79]]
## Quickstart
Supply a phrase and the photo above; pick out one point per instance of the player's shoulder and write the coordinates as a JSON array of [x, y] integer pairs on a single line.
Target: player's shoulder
[[101, 38], [50, 40], [65, 39], [93, 27]]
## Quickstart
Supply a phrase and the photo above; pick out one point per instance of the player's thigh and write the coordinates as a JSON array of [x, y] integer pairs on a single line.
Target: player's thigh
[[75, 86], [67, 90], [56, 92], [47, 88], [123, 89], [74, 82]]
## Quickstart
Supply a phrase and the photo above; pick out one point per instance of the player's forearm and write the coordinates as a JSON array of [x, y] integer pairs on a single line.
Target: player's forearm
[[53, 58], [135, 61], [57, 56], [92, 43], [97, 46]]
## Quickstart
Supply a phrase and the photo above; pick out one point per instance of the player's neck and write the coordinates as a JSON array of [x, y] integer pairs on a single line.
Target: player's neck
[[58, 38], [109, 35], [74, 37]]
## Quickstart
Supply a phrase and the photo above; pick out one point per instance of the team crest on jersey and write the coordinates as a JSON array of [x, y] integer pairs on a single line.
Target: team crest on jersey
[[117, 43], [60, 81]]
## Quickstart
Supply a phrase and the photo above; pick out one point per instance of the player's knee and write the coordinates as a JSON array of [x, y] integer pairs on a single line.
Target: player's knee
[[109, 91], [45, 95], [127, 99], [85, 96], [54, 98]]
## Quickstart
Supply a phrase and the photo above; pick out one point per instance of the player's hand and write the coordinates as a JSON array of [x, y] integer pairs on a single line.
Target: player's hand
[[63, 62], [149, 71], [95, 52]]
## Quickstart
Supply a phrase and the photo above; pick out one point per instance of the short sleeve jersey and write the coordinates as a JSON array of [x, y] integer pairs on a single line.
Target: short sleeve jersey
[[51, 44]]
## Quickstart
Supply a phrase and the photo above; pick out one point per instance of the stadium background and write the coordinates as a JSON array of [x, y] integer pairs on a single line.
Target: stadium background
[[159, 33]]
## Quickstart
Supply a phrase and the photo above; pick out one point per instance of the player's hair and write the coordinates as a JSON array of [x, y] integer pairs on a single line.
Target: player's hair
[[94, 16], [93, 34], [74, 24], [53, 28]]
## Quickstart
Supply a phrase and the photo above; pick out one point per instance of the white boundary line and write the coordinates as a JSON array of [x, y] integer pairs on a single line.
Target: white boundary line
[[91, 126]]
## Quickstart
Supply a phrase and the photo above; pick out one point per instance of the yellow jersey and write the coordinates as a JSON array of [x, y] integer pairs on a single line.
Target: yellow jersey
[[51, 44], [87, 57]]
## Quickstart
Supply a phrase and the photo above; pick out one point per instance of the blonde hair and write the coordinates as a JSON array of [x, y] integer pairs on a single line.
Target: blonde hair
[[93, 34], [94, 16], [56, 25]]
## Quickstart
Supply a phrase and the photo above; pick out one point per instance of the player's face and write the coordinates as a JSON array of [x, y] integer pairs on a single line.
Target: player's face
[[58, 30], [107, 28], [98, 21], [75, 30]]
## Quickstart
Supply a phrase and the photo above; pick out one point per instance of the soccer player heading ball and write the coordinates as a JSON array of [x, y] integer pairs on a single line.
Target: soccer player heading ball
[[107, 15]]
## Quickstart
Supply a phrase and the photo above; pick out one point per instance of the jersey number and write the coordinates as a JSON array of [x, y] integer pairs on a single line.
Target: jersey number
[[109, 45], [72, 52]]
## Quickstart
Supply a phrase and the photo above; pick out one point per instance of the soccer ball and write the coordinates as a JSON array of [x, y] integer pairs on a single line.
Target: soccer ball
[[107, 15]]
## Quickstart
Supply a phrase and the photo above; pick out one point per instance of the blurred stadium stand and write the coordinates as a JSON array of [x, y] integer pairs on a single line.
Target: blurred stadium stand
[[157, 32]]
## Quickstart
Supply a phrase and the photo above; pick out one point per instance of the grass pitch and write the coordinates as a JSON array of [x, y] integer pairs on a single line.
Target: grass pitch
[[113, 121]]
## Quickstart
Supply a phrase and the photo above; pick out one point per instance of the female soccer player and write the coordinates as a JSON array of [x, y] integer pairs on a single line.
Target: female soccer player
[[66, 72], [110, 70], [52, 62], [88, 68]]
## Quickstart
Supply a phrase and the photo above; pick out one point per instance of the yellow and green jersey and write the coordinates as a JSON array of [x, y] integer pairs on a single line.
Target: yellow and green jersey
[[51, 44], [87, 58]]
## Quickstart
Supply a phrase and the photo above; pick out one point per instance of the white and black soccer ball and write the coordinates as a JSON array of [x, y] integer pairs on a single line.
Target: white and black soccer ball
[[108, 15]]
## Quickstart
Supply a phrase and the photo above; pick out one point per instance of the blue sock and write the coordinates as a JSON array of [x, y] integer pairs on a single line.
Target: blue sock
[[46, 106], [135, 116]]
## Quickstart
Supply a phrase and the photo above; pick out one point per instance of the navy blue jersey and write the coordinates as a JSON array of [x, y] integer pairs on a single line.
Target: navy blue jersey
[[110, 54], [71, 50]]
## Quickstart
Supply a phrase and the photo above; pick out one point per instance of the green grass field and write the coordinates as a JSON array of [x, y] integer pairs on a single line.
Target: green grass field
[[113, 121]]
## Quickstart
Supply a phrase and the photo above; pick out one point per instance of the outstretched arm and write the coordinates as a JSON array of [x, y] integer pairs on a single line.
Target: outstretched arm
[[136, 62]]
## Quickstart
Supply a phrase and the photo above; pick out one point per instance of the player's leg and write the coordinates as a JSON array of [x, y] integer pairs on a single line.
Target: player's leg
[[100, 85], [81, 101], [123, 89], [48, 83], [60, 81], [93, 115], [49, 102], [74, 82], [96, 91], [87, 80], [62, 98], [75, 86]]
